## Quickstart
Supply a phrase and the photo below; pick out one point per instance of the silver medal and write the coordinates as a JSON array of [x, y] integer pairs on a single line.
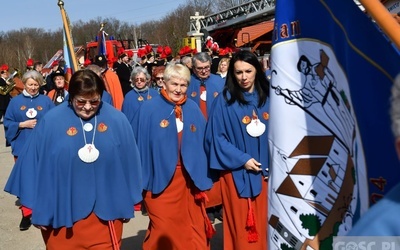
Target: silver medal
[[88, 127]]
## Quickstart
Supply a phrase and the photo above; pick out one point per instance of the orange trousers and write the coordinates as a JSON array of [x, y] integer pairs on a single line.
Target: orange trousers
[[89, 233], [176, 219], [236, 210]]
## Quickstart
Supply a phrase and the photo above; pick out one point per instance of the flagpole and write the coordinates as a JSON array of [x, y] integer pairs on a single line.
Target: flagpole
[[68, 35], [384, 19]]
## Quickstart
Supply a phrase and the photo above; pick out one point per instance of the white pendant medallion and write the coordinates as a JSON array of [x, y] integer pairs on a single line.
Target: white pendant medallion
[[88, 153], [255, 128], [31, 113], [203, 95]]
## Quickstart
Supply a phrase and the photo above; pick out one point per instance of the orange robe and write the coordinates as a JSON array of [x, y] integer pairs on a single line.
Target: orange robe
[[177, 219], [214, 194], [88, 233], [113, 86], [236, 211]]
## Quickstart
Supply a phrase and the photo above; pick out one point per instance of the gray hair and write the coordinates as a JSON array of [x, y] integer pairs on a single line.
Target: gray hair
[[137, 70], [95, 68], [185, 60], [202, 57], [35, 75]]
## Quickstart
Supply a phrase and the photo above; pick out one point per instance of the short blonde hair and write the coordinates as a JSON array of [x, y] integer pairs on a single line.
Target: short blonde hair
[[178, 71]]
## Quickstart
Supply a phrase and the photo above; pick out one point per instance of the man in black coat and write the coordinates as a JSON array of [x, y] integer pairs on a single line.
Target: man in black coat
[[123, 71]]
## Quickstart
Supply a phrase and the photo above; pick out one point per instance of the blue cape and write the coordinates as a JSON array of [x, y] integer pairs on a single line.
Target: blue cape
[[16, 113], [131, 103], [158, 145], [214, 85], [229, 146], [50, 178], [381, 219]]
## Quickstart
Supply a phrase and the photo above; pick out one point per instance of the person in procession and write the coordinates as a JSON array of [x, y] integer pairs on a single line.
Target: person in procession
[[106, 97], [236, 142], [49, 79], [223, 67], [30, 64], [4, 97], [59, 94], [139, 93], [204, 88], [23, 114], [111, 81], [170, 133], [124, 70], [80, 171], [187, 61], [158, 78]]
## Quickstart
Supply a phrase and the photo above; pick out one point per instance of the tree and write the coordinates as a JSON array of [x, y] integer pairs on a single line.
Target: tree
[[311, 222], [17, 46]]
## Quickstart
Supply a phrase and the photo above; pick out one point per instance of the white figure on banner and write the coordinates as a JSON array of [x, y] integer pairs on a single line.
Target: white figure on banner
[[320, 87]]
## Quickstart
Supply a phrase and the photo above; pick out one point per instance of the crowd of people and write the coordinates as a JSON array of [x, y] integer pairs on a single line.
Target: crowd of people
[[185, 141], [171, 136]]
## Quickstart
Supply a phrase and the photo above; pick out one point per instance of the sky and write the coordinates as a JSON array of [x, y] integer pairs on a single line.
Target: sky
[[46, 14]]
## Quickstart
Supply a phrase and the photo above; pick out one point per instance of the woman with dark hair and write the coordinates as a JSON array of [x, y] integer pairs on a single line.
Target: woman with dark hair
[[237, 146], [80, 171]]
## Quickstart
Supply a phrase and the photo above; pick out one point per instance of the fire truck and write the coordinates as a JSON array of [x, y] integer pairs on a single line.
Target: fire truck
[[248, 25], [112, 48]]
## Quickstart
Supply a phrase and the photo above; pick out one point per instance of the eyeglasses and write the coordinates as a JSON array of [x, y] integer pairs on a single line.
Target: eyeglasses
[[159, 78], [82, 103], [206, 68], [140, 80]]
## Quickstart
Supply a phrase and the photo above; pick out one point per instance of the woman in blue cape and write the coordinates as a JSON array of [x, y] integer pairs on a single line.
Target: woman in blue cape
[[140, 92], [25, 111], [170, 135], [237, 145], [80, 170], [23, 114]]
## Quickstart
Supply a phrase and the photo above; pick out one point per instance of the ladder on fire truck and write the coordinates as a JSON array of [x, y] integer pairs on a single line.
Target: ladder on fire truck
[[244, 14]]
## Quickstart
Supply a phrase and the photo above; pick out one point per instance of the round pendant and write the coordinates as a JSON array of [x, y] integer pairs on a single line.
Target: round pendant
[[255, 128], [203, 95], [88, 153], [88, 127], [60, 99], [179, 125], [31, 113], [140, 98]]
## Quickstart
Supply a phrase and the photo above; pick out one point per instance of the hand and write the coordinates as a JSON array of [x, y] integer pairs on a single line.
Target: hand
[[252, 165], [31, 123]]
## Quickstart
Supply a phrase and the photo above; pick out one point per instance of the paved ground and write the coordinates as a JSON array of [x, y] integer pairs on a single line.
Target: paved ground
[[12, 238]]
